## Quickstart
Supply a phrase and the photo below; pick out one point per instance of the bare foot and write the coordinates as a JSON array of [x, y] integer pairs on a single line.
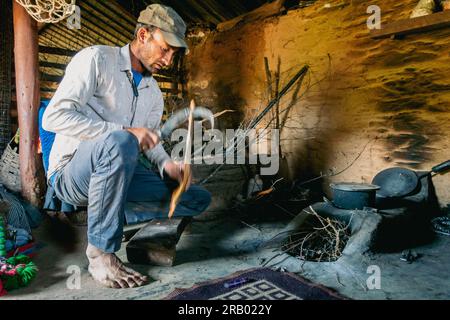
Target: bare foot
[[107, 269]]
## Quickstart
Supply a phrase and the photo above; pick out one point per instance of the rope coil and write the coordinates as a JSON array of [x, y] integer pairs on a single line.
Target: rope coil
[[48, 11]]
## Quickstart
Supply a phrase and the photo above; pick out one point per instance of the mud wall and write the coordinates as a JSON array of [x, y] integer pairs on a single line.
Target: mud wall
[[365, 105]]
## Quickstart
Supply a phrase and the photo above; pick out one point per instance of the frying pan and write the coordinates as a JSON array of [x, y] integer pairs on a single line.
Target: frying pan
[[400, 182]]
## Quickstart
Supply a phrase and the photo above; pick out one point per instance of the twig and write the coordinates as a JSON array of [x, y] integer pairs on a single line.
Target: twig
[[324, 241], [250, 226], [218, 114], [338, 173], [287, 211], [256, 120], [338, 280]]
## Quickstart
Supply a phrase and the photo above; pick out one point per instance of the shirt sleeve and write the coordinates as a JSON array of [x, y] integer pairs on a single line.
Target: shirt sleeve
[[157, 155], [79, 84]]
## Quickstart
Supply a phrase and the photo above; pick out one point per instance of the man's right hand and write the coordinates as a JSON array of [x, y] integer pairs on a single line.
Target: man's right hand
[[147, 138]]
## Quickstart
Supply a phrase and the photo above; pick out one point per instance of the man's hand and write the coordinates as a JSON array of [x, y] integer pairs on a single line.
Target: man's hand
[[147, 138], [175, 171]]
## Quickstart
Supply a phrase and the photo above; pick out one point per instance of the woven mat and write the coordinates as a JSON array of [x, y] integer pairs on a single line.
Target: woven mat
[[256, 284]]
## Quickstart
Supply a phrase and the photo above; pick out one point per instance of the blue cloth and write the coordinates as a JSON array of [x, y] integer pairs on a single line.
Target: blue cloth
[[52, 180], [22, 237], [105, 175], [47, 138], [137, 77]]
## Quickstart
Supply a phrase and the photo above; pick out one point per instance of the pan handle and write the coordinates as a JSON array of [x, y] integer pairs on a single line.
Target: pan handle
[[442, 167]]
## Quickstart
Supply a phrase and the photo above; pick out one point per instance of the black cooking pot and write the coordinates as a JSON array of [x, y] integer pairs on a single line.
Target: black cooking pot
[[401, 182], [348, 195]]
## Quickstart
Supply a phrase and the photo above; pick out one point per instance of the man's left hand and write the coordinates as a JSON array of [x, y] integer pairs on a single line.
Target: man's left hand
[[175, 170]]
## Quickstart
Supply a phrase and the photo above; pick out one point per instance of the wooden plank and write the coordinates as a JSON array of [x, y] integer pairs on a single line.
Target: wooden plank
[[166, 90], [204, 13], [166, 72], [414, 25], [52, 41], [107, 29], [51, 77], [49, 85], [110, 20], [53, 65], [101, 34], [155, 243], [47, 90], [47, 95], [111, 14], [76, 39], [120, 11], [86, 35], [57, 51]]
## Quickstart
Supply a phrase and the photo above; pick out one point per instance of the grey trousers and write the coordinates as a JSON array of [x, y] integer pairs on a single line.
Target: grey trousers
[[105, 176]]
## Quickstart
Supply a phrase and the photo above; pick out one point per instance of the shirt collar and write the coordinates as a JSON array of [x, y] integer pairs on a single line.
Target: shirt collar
[[125, 65], [125, 59]]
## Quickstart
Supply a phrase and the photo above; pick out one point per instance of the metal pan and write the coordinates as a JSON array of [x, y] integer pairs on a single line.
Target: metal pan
[[400, 182], [348, 195]]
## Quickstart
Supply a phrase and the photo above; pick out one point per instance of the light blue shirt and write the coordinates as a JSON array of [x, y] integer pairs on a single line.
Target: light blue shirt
[[95, 97]]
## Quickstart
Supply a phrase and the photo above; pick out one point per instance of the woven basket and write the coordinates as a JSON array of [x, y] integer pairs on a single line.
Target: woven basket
[[423, 8], [9, 169]]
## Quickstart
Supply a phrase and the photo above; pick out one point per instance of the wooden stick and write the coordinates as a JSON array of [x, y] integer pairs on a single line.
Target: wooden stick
[[218, 114], [187, 164], [27, 94], [257, 119]]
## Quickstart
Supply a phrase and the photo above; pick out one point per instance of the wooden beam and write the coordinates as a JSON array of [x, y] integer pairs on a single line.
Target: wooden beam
[[51, 77], [47, 90], [110, 20], [28, 98], [120, 11], [72, 40], [52, 40], [85, 35], [47, 95], [111, 14], [102, 35], [265, 11], [166, 90], [196, 5], [107, 29], [57, 51], [413, 25], [53, 65], [155, 243], [49, 86]]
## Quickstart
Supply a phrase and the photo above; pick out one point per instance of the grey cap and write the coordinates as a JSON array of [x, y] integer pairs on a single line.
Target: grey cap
[[168, 21]]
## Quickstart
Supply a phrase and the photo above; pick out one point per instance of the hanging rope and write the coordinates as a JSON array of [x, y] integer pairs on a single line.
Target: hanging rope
[[48, 11]]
